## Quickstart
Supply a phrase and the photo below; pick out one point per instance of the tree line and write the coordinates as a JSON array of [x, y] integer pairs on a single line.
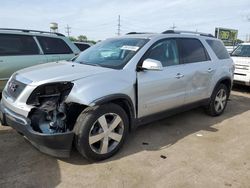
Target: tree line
[[81, 38]]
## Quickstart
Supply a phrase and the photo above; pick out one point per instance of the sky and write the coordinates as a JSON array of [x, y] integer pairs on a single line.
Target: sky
[[98, 19]]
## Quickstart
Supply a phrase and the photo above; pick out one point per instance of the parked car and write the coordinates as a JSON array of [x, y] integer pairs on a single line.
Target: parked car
[[241, 57], [82, 45], [115, 86], [23, 48]]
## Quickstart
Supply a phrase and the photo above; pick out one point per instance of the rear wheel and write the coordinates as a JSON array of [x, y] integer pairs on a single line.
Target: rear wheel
[[100, 131], [218, 101]]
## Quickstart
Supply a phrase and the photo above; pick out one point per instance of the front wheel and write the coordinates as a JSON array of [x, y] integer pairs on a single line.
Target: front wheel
[[100, 131], [218, 101]]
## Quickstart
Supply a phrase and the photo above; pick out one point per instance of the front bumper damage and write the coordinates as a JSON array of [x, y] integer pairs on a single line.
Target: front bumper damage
[[56, 144]]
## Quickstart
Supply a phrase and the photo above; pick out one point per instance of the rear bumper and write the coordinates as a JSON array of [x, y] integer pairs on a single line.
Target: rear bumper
[[58, 144]]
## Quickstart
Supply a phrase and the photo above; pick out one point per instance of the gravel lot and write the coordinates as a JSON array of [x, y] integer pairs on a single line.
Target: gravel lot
[[190, 149]]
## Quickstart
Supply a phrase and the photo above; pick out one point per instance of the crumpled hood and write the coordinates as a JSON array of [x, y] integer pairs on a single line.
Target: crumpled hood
[[241, 60], [59, 71]]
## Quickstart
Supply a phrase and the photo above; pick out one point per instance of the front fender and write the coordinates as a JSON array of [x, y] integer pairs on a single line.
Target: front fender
[[88, 91]]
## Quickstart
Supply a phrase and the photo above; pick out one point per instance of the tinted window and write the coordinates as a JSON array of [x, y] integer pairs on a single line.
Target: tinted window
[[54, 46], [218, 49], [165, 51], [192, 50], [17, 45], [82, 47], [242, 51]]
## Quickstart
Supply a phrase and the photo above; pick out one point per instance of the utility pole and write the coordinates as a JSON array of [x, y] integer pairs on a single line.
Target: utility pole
[[119, 26], [173, 27], [68, 30], [248, 36]]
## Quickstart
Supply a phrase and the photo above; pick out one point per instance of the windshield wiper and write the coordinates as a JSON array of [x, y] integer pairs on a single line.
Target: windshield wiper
[[93, 64]]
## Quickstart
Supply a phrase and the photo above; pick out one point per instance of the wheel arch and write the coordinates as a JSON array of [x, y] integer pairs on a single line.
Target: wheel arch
[[123, 101], [226, 81]]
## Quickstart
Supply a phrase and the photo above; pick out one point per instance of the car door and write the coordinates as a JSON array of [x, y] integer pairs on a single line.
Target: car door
[[55, 49], [199, 69], [17, 52], [161, 90]]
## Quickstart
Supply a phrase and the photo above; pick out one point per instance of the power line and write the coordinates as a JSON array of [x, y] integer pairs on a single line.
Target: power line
[[173, 27], [68, 30]]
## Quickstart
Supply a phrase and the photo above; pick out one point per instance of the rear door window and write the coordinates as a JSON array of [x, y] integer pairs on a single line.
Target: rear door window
[[219, 49], [53, 45], [11, 44], [192, 51]]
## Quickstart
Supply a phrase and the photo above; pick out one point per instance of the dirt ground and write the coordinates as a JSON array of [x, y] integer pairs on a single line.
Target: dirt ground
[[190, 149]]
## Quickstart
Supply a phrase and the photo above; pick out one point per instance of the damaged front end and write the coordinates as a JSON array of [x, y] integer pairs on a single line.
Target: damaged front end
[[49, 114], [49, 125]]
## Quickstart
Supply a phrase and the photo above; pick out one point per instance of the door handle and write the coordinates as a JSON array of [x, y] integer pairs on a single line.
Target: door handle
[[1, 61], [179, 75], [210, 70]]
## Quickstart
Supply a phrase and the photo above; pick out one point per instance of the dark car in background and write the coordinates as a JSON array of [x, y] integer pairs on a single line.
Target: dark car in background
[[83, 45]]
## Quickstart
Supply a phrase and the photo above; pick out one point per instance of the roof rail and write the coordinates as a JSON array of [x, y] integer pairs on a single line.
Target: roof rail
[[31, 31], [132, 33], [187, 32]]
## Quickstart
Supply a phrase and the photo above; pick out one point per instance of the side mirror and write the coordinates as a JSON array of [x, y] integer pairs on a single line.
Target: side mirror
[[151, 64]]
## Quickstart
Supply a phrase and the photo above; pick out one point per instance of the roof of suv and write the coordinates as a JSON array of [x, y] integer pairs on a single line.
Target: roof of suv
[[29, 32], [245, 43], [168, 32]]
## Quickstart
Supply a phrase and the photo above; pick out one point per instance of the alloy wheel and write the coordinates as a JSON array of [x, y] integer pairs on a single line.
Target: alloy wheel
[[220, 100], [106, 133]]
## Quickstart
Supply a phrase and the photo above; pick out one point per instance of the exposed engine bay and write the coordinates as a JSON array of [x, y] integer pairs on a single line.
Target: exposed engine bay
[[50, 113]]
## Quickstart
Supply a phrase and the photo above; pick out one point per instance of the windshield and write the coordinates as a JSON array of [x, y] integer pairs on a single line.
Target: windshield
[[242, 51], [111, 53]]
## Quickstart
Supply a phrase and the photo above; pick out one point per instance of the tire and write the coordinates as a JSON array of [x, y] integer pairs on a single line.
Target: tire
[[218, 101], [100, 131]]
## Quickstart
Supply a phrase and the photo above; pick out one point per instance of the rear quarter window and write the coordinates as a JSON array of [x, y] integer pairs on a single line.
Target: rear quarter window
[[219, 49], [54, 45], [82, 47]]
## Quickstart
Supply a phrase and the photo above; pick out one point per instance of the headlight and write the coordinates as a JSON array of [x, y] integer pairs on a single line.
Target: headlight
[[59, 91]]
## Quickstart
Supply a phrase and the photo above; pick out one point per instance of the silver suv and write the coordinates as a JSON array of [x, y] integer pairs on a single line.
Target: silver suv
[[20, 48], [113, 87]]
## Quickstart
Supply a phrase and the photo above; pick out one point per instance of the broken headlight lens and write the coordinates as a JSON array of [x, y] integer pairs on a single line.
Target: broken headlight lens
[[59, 91]]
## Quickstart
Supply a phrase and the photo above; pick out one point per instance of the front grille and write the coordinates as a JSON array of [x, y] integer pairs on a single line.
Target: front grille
[[240, 74], [14, 88], [242, 67]]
